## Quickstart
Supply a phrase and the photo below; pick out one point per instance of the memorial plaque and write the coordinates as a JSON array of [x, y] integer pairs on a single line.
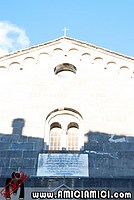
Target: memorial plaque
[[62, 164]]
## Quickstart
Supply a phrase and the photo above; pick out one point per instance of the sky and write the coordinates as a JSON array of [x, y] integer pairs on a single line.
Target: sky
[[105, 23]]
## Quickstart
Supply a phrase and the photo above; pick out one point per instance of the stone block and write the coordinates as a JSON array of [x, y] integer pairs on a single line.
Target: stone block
[[9, 137], [23, 138], [95, 147], [29, 172], [34, 139], [126, 163], [122, 172], [11, 154], [121, 146], [126, 154], [30, 154], [22, 163], [99, 162], [5, 145], [108, 148], [14, 153], [38, 146], [4, 162], [98, 136], [3, 154], [130, 139], [95, 172], [6, 172], [21, 145]]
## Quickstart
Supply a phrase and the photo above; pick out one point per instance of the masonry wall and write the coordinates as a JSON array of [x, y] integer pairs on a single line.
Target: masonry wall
[[99, 91], [111, 163], [109, 156], [19, 152]]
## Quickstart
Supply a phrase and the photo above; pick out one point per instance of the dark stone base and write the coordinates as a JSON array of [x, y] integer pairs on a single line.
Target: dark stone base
[[127, 183]]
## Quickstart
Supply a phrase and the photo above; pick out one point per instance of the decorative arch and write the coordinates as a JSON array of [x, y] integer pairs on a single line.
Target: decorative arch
[[111, 66], [63, 130], [64, 110], [124, 72], [58, 52], [111, 63], [14, 66], [57, 55], [99, 64], [28, 58], [43, 55], [86, 54], [55, 125], [43, 59], [98, 59], [73, 55], [112, 69], [73, 50], [73, 125], [2, 68], [29, 63], [86, 57], [124, 67]]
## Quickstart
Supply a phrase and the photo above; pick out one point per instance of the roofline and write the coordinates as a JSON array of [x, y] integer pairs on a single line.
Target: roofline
[[101, 48], [71, 39], [29, 48]]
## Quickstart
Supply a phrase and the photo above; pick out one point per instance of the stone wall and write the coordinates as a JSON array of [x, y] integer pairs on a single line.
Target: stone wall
[[19, 152], [109, 156]]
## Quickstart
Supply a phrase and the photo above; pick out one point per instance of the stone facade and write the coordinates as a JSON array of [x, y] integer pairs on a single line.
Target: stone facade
[[67, 81]]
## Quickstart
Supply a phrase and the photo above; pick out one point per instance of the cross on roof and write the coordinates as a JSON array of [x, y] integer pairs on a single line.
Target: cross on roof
[[65, 30]]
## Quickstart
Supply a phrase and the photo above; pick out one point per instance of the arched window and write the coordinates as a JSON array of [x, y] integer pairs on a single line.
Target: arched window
[[63, 130], [72, 136], [55, 136], [65, 70]]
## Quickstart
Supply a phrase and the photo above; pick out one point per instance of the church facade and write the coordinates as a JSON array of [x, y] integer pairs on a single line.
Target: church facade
[[66, 116]]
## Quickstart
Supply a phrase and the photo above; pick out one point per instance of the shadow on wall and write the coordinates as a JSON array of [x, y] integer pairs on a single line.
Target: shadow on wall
[[18, 152], [110, 156], [18, 125]]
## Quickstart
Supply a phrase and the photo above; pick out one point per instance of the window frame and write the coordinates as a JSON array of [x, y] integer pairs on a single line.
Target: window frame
[[77, 123]]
